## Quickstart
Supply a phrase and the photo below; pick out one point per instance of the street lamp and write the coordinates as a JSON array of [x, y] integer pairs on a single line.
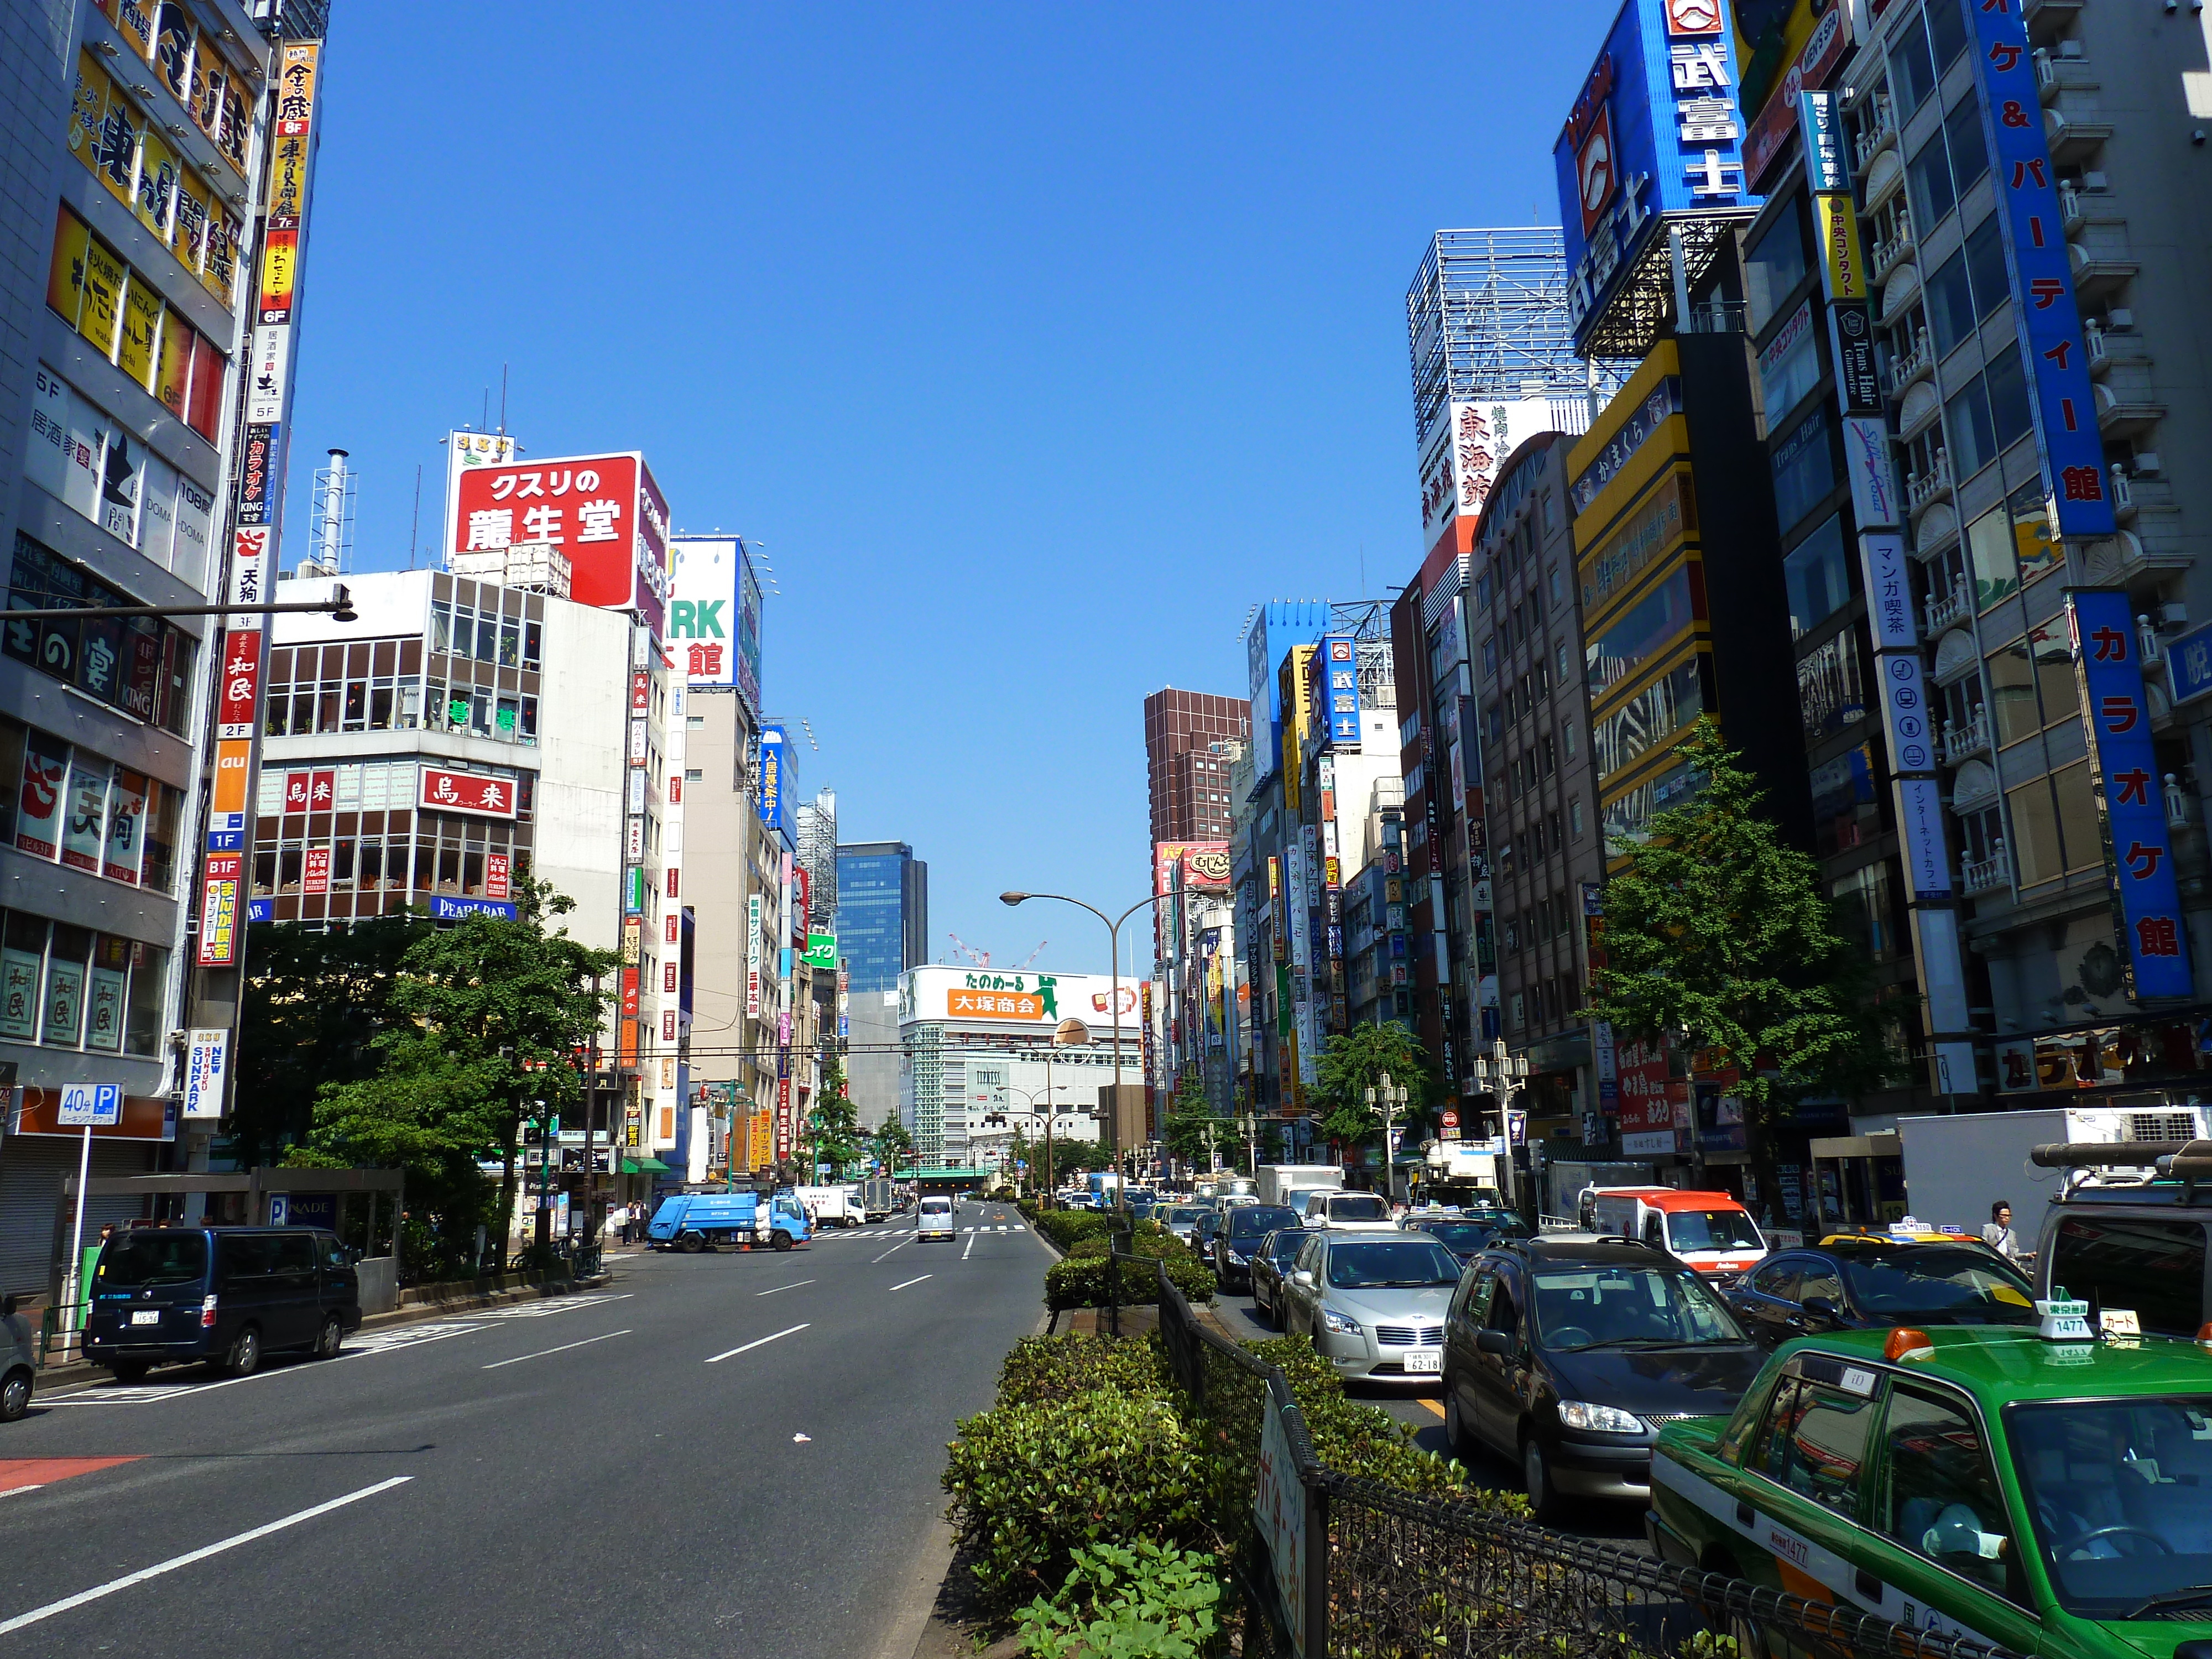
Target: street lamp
[[1113, 950], [1393, 1098], [1051, 1107], [1504, 1075]]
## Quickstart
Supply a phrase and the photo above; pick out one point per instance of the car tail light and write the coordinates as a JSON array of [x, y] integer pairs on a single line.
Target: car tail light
[[1906, 1343], [207, 1313], [2204, 1335]]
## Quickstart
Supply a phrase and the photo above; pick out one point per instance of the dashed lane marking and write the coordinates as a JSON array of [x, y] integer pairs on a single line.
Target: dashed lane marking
[[544, 1354], [793, 1285], [916, 1280], [761, 1342]]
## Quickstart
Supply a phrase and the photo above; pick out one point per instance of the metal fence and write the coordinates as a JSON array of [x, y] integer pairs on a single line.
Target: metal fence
[[1333, 1565]]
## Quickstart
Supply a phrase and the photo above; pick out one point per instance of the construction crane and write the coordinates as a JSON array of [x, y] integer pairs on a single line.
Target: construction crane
[[1033, 955], [981, 958]]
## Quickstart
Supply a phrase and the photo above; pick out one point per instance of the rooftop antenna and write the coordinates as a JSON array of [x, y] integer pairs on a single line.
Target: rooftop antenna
[[807, 727], [502, 399], [415, 527]]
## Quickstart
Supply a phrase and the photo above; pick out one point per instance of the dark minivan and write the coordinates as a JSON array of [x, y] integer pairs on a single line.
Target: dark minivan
[[162, 1295]]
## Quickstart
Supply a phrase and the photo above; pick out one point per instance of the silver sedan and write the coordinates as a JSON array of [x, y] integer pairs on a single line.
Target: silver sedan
[[1372, 1302]]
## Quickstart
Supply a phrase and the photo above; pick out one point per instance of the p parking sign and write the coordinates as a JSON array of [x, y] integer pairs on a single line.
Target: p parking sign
[[99, 1104]]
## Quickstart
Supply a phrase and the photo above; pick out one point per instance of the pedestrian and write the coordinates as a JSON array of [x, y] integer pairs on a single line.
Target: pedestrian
[[1999, 1235], [629, 1221]]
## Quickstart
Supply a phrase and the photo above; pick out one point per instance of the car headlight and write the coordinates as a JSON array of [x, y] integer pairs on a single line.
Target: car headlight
[[1606, 1420], [1237, 1255], [1337, 1322]]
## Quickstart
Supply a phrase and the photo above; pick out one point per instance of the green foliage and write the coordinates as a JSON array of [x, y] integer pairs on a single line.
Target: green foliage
[[1032, 1483], [486, 1017], [1141, 1601], [893, 1145], [833, 1125], [1080, 1282], [1069, 1158], [312, 1007], [1717, 929], [1354, 1061], [1064, 1227], [1190, 1130], [1041, 1369]]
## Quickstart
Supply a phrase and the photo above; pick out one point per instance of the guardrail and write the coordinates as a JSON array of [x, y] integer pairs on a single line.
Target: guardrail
[[1330, 1563]]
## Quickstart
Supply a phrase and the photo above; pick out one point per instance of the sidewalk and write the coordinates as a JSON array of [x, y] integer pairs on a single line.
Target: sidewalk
[[424, 1303]]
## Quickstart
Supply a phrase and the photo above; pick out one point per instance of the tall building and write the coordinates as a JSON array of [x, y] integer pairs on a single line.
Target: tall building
[[882, 913], [133, 159], [1186, 734]]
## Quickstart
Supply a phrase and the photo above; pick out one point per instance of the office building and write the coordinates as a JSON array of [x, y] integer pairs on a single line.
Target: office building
[[882, 913], [1185, 762], [132, 159]]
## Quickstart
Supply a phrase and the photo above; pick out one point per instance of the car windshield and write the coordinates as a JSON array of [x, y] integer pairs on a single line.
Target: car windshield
[[1357, 1206], [1464, 1237], [153, 1256], [1629, 1307], [1253, 1219], [1712, 1229], [2115, 1492], [1395, 1264], [1950, 1283], [1184, 1214], [1282, 1248]]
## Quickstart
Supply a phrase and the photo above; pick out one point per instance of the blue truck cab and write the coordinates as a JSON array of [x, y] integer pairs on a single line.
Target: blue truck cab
[[692, 1222]]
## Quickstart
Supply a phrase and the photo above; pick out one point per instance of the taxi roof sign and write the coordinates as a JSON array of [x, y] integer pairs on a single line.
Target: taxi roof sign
[[2063, 1319]]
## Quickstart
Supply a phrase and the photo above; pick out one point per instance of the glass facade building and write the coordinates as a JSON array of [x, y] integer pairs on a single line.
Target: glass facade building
[[882, 913]]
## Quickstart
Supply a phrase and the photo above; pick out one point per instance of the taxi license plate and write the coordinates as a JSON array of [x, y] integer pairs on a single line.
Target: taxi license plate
[[146, 1316], [1424, 1359]]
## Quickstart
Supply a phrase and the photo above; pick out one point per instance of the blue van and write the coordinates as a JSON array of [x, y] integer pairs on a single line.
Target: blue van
[[168, 1295]]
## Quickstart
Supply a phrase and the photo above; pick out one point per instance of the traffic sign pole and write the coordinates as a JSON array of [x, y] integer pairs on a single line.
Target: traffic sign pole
[[87, 1103]]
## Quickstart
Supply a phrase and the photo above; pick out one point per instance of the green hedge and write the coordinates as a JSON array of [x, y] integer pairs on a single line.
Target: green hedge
[[1080, 1282], [1059, 1368], [1065, 1227], [1031, 1483]]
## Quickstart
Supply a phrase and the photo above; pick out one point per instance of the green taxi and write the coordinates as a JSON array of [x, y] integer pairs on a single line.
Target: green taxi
[[2034, 1487]]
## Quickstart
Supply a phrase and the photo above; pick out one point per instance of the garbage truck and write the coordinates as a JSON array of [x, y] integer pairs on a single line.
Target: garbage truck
[[692, 1222]]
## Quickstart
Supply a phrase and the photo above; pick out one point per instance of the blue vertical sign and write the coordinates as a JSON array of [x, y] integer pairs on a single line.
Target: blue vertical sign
[[2139, 856], [2043, 280], [1340, 690], [773, 800]]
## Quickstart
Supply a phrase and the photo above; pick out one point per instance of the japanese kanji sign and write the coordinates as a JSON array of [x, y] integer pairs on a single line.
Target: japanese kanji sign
[[468, 791], [603, 513], [2131, 795], [2043, 282]]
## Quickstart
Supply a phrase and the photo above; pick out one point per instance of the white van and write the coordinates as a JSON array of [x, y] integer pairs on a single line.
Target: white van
[[934, 1219]]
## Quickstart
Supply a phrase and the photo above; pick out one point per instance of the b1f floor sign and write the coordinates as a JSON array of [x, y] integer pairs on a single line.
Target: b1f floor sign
[[96, 1103]]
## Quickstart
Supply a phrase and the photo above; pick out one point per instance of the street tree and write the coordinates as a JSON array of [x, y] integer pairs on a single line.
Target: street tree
[[833, 1127], [489, 1018], [894, 1146], [1718, 935], [1353, 1061], [1191, 1131], [312, 1005]]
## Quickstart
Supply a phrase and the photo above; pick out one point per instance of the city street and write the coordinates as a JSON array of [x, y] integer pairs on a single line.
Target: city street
[[712, 1452]]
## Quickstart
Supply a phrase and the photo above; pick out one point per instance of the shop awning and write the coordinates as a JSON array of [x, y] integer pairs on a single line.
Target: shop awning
[[643, 1166]]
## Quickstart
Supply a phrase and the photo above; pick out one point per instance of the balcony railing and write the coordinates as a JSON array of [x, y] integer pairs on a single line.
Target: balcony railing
[[1880, 127], [1972, 739], [1923, 487], [1948, 610], [1905, 369], [1987, 875]]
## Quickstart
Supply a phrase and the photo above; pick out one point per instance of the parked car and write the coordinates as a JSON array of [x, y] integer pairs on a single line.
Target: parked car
[[1349, 1210], [1372, 1302], [18, 1361], [1851, 1282], [1467, 1236], [160, 1295], [1270, 1262], [2044, 1494], [1565, 1358], [1242, 1226]]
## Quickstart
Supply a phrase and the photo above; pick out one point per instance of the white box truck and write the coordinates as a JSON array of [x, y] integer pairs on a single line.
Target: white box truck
[[1278, 1181], [1958, 1165]]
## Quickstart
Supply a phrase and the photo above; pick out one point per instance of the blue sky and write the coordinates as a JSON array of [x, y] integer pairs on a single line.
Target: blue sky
[[1036, 342]]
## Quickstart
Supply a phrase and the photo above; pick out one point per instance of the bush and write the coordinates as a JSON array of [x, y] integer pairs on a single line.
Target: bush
[[1141, 1602], [1064, 1227], [1080, 1281], [1046, 1369], [1031, 1484]]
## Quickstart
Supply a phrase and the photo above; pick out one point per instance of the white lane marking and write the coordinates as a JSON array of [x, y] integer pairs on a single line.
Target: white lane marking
[[201, 1554], [902, 1284], [896, 1248], [971, 1245], [749, 1347], [563, 1348], [12, 1491], [793, 1285]]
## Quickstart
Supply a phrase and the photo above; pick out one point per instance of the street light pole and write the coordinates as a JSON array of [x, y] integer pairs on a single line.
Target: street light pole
[[1113, 948]]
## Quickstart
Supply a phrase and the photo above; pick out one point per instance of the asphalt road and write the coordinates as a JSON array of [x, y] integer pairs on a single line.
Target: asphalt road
[[715, 1453], [1421, 1406]]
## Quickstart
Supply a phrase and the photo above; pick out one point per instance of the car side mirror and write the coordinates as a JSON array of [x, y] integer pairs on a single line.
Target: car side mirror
[[7, 1307], [1501, 1343], [1302, 1277], [1819, 1307]]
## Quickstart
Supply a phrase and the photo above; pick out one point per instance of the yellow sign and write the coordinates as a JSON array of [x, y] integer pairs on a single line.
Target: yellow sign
[[142, 332], [1843, 265]]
